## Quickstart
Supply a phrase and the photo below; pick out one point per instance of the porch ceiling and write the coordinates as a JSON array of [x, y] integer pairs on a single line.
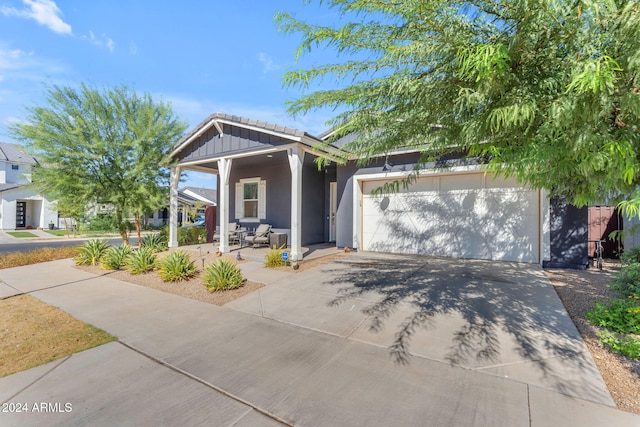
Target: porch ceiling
[[249, 160]]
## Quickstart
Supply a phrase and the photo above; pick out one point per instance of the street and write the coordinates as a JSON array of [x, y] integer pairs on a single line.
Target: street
[[27, 246]]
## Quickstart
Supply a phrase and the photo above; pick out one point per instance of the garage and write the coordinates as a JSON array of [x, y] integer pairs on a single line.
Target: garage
[[463, 215]]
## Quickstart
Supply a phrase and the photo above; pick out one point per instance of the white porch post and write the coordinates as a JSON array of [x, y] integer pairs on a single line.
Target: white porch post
[[173, 207], [296, 157], [224, 168]]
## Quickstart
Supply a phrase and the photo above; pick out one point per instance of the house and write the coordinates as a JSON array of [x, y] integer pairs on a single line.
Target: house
[[188, 197], [20, 206], [266, 173]]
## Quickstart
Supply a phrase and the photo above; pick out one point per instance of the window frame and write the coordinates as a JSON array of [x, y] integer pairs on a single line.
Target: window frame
[[261, 200]]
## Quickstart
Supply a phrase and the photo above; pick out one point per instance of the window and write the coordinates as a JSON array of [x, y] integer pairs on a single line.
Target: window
[[15, 167], [251, 199]]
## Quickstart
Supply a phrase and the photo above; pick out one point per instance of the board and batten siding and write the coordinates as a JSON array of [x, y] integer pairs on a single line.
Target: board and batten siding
[[235, 140]]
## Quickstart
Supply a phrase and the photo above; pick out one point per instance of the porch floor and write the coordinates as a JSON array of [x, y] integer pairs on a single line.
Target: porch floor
[[309, 252]]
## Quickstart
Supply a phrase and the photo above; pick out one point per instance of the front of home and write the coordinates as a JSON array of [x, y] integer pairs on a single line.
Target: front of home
[[267, 173], [20, 206]]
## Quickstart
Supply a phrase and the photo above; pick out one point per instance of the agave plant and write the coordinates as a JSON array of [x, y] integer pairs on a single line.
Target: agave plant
[[140, 261], [176, 266], [91, 252], [222, 275], [115, 257], [155, 242]]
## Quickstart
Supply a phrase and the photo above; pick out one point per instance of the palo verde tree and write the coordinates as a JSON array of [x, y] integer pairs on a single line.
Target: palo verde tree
[[543, 90], [106, 146]]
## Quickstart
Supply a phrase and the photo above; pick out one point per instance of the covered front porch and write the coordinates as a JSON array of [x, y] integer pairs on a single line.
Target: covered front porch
[[265, 174]]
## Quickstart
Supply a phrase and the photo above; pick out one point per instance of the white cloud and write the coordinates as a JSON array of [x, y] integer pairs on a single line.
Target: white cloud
[[13, 59], [11, 120], [44, 12], [16, 64], [267, 63], [133, 49], [104, 41]]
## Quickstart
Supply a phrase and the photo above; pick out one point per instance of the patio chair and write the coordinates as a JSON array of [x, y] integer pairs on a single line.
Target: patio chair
[[233, 233], [261, 236]]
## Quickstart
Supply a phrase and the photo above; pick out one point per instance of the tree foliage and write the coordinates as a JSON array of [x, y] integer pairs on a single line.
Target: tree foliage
[[544, 90], [105, 146]]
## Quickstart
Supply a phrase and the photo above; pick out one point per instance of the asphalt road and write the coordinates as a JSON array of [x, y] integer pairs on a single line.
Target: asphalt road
[[29, 246]]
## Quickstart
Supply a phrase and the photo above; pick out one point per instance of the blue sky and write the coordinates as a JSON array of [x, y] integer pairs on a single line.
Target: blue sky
[[203, 57]]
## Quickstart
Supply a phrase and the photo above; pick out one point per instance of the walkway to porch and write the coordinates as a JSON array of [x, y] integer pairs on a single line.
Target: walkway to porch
[[309, 252]]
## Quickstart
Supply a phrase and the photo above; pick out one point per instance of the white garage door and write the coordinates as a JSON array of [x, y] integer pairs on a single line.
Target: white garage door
[[464, 216]]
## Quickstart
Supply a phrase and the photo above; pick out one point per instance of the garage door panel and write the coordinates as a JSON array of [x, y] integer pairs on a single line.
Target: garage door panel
[[461, 182], [424, 184], [498, 223]]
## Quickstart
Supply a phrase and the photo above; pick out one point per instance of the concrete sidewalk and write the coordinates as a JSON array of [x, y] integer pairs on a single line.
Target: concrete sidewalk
[[185, 362]]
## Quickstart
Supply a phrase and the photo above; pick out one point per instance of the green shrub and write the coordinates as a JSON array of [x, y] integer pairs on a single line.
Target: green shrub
[[192, 236], [151, 227], [155, 242], [101, 222], [176, 266], [273, 258], [187, 236], [618, 315], [140, 261], [116, 257], [164, 233], [630, 256], [622, 344], [91, 252], [627, 281], [222, 275]]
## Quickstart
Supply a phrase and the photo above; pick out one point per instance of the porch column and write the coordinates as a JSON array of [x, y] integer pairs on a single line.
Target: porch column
[[224, 168], [296, 157], [173, 207]]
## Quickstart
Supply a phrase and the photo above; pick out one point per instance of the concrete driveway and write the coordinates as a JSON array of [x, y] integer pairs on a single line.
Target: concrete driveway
[[367, 340], [503, 319]]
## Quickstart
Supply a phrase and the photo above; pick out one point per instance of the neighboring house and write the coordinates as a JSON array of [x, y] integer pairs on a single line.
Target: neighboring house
[[188, 197], [20, 206], [267, 174]]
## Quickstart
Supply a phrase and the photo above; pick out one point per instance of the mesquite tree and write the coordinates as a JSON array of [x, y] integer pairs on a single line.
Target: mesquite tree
[[543, 90], [102, 146]]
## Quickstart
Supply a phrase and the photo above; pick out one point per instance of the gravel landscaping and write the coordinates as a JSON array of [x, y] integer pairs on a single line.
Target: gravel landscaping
[[579, 290], [193, 288]]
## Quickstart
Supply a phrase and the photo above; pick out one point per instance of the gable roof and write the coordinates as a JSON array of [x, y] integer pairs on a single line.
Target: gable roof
[[218, 119], [7, 187], [15, 153], [206, 195]]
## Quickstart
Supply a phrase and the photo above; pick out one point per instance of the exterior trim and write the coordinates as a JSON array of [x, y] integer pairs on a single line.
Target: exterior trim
[[544, 239]]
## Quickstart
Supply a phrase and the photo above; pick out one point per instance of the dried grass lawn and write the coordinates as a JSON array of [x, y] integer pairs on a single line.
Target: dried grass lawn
[[33, 333], [17, 259]]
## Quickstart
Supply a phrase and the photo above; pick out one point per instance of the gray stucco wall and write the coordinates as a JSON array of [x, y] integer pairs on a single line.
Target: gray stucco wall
[[277, 174], [344, 214], [329, 177], [278, 204], [313, 203]]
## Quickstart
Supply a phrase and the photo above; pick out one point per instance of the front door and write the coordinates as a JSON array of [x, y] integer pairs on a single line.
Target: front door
[[333, 206], [21, 214]]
